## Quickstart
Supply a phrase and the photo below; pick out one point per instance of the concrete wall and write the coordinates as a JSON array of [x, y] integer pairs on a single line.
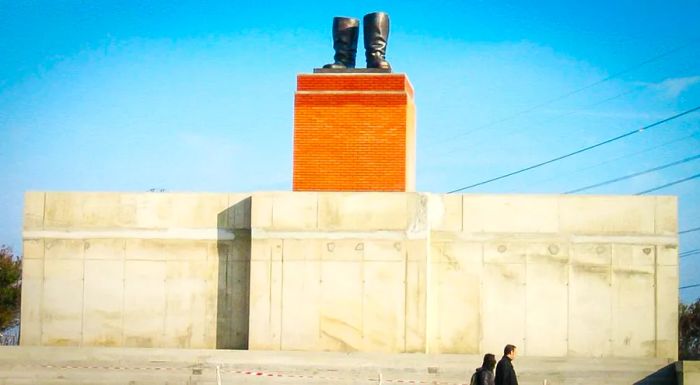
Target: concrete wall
[[590, 276], [147, 270], [688, 372]]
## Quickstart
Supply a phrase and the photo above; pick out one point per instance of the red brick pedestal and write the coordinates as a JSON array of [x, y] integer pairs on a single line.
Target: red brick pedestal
[[354, 132]]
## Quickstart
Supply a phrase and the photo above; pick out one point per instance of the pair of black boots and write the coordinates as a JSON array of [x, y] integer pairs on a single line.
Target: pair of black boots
[[376, 35]]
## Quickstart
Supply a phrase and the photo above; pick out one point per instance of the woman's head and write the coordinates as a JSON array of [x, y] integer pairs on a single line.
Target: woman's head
[[489, 361]]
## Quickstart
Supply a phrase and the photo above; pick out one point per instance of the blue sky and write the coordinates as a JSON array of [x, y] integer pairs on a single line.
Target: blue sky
[[122, 96]]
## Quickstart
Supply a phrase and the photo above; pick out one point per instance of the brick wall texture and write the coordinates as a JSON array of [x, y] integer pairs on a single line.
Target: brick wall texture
[[354, 132]]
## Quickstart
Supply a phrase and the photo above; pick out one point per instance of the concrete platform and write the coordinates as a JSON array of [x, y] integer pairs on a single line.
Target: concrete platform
[[60, 365]]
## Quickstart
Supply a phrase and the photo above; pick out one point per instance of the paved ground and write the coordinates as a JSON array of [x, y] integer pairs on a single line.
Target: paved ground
[[32, 365]]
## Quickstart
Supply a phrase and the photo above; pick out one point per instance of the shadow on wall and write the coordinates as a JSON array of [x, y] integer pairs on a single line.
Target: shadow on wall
[[663, 376], [233, 245]]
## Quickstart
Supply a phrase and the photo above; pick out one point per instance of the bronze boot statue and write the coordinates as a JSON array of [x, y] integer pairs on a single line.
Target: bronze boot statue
[[376, 34], [345, 32]]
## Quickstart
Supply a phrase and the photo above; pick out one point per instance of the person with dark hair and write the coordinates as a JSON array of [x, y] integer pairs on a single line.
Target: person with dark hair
[[505, 374], [484, 374]]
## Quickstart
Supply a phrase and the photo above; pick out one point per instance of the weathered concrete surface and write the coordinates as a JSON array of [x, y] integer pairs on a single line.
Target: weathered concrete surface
[[579, 276], [62, 365], [576, 276], [143, 270], [688, 372]]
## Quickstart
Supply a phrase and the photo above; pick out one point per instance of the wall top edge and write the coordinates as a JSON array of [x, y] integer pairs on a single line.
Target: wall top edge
[[268, 192]]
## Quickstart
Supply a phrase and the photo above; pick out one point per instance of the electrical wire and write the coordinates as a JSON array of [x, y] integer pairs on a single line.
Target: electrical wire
[[689, 230], [669, 184], [570, 93], [617, 158], [580, 151], [689, 286], [634, 174]]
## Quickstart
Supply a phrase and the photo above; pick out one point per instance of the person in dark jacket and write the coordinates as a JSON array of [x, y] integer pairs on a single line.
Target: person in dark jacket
[[505, 374], [484, 374]]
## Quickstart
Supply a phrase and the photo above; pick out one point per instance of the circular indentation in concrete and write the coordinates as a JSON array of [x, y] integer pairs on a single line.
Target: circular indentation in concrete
[[553, 249], [360, 246], [647, 250], [600, 249], [330, 246], [502, 248]]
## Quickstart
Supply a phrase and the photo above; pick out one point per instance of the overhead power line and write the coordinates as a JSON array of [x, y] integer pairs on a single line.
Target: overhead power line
[[625, 156], [669, 184], [474, 144], [689, 286], [581, 150], [570, 93], [689, 230], [635, 174], [688, 254]]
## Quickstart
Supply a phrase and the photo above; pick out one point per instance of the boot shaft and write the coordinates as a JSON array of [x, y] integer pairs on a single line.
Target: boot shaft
[[376, 35], [345, 35]]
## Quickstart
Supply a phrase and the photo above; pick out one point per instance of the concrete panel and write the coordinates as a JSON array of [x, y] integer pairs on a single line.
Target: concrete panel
[[667, 312], [186, 324], [33, 210], [666, 216], [363, 211], [174, 210], [503, 306], [295, 210], [31, 306], [607, 214], [341, 306], [591, 254], [64, 249], [505, 252], [84, 210], [383, 306], [62, 303], [633, 300], [144, 303], [348, 250], [386, 251], [33, 249], [624, 256], [590, 311], [266, 250], [301, 297], [108, 249], [233, 292], [303, 249], [205, 270], [510, 213], [261, 210], [104, 298], [445, 212], [456, 284], [547, 308], [236, 317], [146, 249], [416, 298], [170, 249], [667, 255], [265, 295], [240, 215]]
